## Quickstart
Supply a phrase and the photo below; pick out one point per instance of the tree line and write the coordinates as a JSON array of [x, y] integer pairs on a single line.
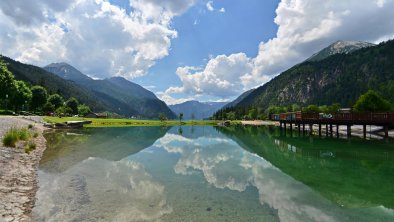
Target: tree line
[[19, 96], [371, 101]]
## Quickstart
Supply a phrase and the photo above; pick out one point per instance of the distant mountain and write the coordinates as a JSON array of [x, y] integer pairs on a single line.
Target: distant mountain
[[198, 109], [340, 78], [123, 96], [339, 47]]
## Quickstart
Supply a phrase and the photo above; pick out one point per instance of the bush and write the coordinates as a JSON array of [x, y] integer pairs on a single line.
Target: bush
[[11, 137], [24, 134], [30, 147], [30, 126], [35, 135]]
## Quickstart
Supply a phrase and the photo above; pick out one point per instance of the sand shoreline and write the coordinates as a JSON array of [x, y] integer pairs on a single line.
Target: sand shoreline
[[18, 170]]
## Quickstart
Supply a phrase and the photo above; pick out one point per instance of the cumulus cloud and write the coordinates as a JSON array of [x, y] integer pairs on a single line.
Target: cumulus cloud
[[223, 76], [99, 38], [304, 27]]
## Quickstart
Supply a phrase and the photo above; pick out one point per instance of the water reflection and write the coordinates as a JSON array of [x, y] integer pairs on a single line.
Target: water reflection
[[67, 148], [214, 174], [101, 190], [350, 173]]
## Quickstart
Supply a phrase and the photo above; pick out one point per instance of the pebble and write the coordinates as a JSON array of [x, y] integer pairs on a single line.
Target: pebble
[[18, 178]]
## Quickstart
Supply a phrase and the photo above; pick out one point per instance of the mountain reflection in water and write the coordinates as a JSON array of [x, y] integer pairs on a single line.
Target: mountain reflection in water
[[213, 174]]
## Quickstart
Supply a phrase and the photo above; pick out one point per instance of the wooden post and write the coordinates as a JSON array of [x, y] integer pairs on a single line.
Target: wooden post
[[337, 131], [291, 126], [386, 131], [299, 129], [331, 130], [365, 131], [311, 129], [326, 130], [303, 128], [319, 129], [349, 131]]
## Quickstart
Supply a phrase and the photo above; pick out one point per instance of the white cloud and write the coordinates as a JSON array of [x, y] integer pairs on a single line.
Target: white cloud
[[210, 6], [223, 76], [170, 100], [304, 27], [97, 37]]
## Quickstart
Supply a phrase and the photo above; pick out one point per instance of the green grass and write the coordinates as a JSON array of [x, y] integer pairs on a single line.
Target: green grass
[[30, 147], [24, 134], [11, 137], [14, 134], [132, 122]]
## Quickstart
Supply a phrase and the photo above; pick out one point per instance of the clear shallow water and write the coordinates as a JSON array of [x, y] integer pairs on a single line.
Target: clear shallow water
[[212, 174]]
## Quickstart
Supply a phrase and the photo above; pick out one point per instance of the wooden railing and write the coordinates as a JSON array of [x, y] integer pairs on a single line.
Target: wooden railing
[[367, 117]]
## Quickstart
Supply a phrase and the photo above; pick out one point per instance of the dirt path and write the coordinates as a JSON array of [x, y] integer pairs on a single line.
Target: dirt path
[[18, 176]]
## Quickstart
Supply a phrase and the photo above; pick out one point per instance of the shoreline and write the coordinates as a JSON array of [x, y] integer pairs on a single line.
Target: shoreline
[[18, 171]]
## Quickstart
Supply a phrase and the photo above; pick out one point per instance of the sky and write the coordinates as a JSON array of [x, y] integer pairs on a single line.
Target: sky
[[206, 50]]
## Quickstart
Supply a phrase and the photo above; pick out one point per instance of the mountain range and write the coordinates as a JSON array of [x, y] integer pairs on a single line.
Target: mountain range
[[115, 94], [339, 73], [197, 110], [125, 97]]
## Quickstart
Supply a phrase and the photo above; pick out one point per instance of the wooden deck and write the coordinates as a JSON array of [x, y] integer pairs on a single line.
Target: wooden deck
[[300, 119]]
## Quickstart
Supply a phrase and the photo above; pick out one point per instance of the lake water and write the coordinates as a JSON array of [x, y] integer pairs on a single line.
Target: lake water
[[212, 174]]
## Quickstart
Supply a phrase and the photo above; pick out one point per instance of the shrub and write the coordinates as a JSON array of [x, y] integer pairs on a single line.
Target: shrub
[[11, 137], [35, 135], [23, 134], [30, 126], [30, 147]]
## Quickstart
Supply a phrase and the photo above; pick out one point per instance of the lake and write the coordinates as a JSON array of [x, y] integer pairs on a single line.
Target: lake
[[213, 174]]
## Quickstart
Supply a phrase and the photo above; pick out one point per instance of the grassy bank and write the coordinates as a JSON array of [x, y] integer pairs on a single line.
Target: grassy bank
[[132, 122]]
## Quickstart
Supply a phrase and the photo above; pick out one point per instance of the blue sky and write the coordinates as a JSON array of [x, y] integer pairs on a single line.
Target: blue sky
[[207, 50], [241, 28]]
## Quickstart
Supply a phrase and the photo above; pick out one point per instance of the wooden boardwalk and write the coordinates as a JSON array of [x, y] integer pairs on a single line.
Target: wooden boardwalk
[[300, 119]]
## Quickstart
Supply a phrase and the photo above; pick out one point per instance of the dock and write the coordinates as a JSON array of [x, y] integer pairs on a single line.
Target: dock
[[335, 120]]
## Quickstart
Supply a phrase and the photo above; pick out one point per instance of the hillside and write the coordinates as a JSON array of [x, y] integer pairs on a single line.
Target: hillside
[[198, 109], [340, 78], [54, 84], [238, 99], [121, 95]]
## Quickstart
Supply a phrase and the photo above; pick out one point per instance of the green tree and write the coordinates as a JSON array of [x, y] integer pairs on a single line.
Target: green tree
[[252, 114], [162, 116], [311, 108], [48, 107], [180, 117], [39, 97], [72, 103], [334, 108], [83, 110], [63, 111], [7, 82], [371, 101], [231, 115], [22, 96], [56, 100]]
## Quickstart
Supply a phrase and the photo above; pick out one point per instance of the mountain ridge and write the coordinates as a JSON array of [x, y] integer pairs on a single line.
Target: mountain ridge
[[126, 98], [339, 78]]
